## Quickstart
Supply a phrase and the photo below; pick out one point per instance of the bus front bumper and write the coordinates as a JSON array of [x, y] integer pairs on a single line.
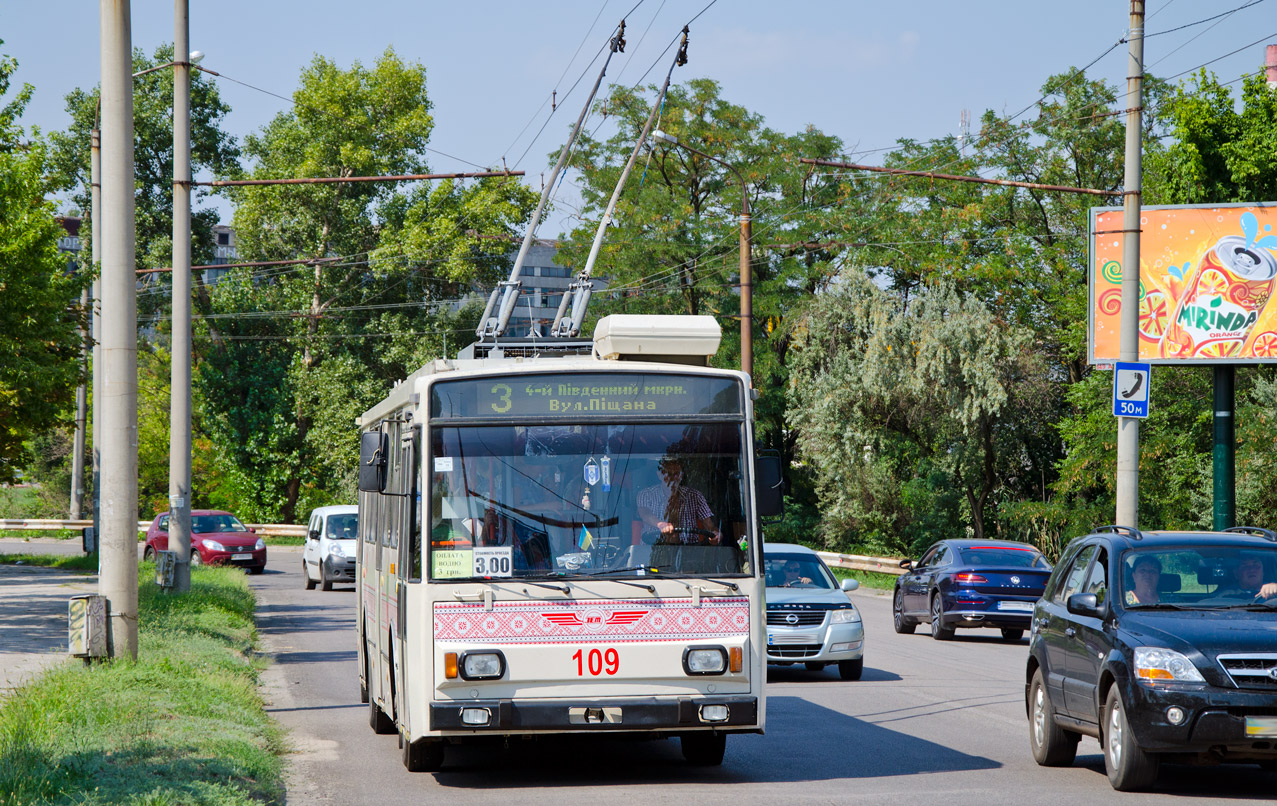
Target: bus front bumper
[[625, 714]]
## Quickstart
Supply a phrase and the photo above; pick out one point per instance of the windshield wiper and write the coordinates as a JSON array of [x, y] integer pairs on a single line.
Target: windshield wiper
[[561, 588], [603, 571], [724, 583]]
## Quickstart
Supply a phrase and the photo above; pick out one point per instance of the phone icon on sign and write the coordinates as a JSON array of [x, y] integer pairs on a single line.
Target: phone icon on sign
[[1135, 387]]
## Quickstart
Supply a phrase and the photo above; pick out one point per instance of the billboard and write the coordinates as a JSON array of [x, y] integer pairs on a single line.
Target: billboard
[[1207, 273]]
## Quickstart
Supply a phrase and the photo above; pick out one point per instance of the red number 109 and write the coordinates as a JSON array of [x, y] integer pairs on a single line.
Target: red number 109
[[596, 662]]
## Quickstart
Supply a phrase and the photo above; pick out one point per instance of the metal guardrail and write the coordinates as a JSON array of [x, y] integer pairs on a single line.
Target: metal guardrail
[[39, 525], [860, 562]]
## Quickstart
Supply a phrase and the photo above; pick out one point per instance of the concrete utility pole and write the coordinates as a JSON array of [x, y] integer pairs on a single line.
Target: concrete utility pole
[[81, 410], [179, 457], [1128, 428], [95, 221], [117, 578]]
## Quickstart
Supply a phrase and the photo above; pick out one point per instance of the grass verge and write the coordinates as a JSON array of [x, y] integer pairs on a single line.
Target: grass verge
[[78, 562], [868, 579], [183, 724]]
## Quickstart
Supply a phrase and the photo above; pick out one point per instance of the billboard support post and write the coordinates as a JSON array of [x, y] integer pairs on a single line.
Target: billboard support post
[[1128, 428], [1224, 510]]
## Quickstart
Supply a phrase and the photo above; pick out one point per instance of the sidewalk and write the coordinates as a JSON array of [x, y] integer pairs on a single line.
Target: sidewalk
[[33, 618]]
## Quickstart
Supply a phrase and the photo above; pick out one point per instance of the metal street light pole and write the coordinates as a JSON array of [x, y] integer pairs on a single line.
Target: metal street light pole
[[746, 270], [179, 467]]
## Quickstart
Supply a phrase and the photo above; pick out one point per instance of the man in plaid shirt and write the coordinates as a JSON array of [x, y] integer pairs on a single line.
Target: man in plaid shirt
[[679, 513]]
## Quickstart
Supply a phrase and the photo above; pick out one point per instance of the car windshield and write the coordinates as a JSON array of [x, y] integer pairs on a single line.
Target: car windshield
[[1009, 556], [568, 500], [797, 571], [208, 524], [342, 527], [1212, 576]]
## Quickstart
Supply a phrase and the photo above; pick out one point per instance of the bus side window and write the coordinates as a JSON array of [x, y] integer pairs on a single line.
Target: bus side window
[[412, 562]]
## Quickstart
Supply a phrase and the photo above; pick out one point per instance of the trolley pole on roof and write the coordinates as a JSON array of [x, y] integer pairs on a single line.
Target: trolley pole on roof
[[496, 317], [1128, 428]]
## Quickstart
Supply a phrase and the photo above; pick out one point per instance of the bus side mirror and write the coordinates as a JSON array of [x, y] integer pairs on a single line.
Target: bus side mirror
[[769, 486], [373, 446]]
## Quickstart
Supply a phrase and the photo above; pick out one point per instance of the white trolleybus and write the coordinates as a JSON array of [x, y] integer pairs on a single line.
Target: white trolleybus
[[566, 544]]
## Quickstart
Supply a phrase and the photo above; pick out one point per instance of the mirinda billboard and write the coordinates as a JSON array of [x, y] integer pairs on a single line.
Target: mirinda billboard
[[1207, 275]]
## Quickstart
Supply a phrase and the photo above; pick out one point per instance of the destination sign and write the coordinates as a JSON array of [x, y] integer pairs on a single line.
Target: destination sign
[[624, 394]]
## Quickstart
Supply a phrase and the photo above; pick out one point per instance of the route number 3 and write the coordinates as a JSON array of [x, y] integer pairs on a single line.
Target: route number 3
[[596, 662], [502, 391]]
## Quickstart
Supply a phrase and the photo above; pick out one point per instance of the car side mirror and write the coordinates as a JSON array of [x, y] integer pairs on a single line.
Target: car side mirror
[[907, 564], [313, 534], [850, 584], [1084, 604]]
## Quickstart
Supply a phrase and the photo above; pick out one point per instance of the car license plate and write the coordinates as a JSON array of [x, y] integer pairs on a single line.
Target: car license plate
[[242, 557], [1019, 607], [1261, 726]]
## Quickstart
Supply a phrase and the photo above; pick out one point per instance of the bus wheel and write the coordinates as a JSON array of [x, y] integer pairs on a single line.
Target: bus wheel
[[704, 749], [423, 755]]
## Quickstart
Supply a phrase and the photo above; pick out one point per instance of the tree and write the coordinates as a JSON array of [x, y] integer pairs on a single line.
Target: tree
[[212, 149], [294, 355], [674, 244], [40, 316], [905, 405]]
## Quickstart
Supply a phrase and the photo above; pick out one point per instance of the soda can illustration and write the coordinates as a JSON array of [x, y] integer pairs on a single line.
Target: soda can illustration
[[1221, 301]]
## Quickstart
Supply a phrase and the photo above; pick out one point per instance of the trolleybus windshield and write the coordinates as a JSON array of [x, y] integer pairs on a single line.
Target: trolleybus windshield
[[596, 492]]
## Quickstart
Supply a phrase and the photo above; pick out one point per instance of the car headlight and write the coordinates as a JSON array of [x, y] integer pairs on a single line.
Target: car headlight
[[845, 615], [213, 545], [482, 665], [705, 660], [336, 549], [1155, 663], [259, 545]]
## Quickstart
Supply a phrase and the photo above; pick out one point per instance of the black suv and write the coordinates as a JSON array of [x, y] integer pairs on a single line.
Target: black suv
[[1162, 645]]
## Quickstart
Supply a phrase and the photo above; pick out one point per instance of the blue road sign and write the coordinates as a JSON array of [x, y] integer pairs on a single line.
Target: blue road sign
[[1130, 389]]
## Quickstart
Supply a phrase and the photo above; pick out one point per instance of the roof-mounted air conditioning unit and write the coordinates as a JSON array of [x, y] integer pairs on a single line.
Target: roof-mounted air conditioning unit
[[653, 337]]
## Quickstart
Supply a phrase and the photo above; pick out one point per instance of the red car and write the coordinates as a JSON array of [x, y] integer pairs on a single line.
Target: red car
[[217, 538]]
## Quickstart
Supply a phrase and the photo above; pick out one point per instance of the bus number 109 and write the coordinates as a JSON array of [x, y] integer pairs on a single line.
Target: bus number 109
[[596, 662]]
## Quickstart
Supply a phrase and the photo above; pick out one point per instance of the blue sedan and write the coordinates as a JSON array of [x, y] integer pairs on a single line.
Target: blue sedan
[[971, 583]]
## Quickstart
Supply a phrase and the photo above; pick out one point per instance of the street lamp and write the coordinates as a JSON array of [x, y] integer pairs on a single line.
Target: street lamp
[[746, 273]]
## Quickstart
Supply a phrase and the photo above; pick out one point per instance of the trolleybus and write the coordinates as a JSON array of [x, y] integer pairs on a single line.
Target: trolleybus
[[566, 544]]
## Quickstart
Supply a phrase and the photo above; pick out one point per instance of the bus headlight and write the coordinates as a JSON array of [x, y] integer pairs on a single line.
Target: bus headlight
[[705, 660], [482, 665]]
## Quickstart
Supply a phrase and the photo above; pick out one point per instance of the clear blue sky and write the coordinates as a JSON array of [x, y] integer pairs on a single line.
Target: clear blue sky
[[868, 72]]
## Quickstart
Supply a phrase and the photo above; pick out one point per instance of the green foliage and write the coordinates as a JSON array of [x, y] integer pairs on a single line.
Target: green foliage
[[294, 355], [910, 416], [675, 244], [39, 313], [181, 725], [212, 149]]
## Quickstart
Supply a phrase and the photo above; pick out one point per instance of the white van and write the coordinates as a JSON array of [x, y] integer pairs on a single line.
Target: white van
[[329, 555]]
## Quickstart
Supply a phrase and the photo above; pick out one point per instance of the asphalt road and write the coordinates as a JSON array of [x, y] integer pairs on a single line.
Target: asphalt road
[[929, 721]]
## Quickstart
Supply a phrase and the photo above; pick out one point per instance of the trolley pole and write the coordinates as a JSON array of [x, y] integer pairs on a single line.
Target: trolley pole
[[117, 579], [179, 467], [1128, 428]]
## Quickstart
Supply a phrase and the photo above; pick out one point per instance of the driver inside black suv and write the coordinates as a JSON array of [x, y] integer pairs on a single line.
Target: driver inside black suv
[[1249, 573]]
